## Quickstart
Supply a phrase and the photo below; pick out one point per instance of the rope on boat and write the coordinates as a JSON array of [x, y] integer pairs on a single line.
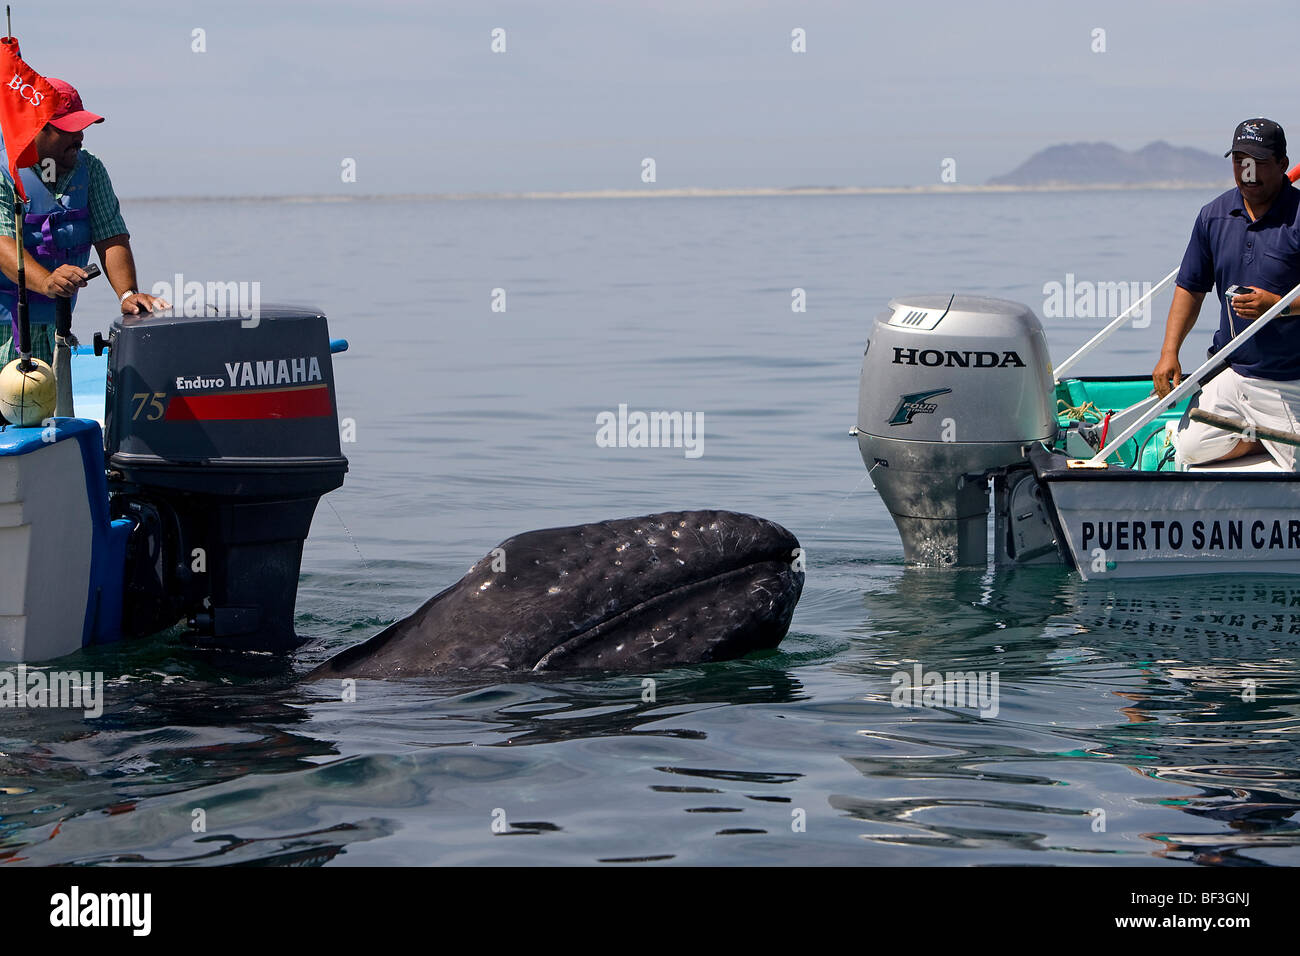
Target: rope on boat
[[1078, 413], [1167, 443]]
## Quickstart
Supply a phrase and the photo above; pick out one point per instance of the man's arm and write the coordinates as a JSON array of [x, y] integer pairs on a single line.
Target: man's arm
[[1183, 312], [62, 282], [119, 267], [1195, 272], [111, 240]]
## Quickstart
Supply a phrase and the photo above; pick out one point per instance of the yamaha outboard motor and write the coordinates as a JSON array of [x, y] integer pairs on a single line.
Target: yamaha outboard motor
[[221, 436], [952, 387]]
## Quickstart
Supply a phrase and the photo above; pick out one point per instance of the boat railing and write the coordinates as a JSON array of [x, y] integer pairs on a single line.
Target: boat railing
[[1115, 323]]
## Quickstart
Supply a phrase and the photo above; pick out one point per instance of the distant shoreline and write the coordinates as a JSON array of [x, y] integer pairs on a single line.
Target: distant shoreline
[[691, 192]]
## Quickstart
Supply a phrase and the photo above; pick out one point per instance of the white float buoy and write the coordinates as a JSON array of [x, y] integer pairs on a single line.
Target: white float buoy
[[27, 397]]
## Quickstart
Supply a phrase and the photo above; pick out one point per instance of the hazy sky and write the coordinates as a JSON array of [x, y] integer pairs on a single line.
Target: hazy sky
[[287, 89]]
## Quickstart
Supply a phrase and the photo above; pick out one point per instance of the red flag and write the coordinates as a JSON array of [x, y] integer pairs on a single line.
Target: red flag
[[27, 102]]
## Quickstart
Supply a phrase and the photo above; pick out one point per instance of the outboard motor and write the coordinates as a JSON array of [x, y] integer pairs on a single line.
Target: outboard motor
[[952, 387], [221, 436]]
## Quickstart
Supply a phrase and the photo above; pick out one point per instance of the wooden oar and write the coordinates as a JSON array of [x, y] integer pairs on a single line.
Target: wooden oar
[[1252, 432]]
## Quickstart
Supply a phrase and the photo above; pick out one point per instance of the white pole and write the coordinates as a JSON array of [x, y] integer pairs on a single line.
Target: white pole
[[1105, 333], [1193, 382]]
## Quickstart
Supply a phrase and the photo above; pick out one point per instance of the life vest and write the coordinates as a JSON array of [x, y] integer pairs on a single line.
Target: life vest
[[55, 233]]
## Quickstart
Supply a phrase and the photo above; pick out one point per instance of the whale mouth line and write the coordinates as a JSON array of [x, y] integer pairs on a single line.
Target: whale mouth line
[[597, 630]]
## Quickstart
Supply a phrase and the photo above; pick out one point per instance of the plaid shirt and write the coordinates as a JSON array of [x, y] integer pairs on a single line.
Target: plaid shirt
[[105, 215]]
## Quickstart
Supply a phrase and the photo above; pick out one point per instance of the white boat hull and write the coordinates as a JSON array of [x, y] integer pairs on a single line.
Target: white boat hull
[[1113, 526]]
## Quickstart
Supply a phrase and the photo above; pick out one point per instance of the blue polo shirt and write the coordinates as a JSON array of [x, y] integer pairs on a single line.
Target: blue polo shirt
[[1227, 249]]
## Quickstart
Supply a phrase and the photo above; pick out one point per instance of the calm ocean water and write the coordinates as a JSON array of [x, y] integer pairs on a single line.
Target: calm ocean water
[[1122, 735]]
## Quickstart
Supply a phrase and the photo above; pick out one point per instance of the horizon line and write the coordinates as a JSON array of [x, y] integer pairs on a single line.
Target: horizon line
[[689, 192]]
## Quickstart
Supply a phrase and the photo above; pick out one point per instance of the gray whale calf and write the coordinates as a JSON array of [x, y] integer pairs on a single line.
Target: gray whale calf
[[642, 593]]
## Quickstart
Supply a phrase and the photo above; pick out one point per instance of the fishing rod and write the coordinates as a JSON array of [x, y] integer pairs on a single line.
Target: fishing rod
[[25, 363], [64, 342]]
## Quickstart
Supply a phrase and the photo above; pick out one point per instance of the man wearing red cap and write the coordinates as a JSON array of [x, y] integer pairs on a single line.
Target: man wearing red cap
[[73, 207]]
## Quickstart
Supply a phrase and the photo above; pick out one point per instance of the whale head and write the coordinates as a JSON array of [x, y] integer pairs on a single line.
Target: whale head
[[633, 593]]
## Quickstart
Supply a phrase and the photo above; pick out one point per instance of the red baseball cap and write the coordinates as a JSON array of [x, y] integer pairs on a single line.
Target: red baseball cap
[[69, 115]]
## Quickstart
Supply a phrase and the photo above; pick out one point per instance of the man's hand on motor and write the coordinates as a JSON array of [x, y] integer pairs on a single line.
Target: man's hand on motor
[[1253, 304], [139, 302], [1166, 369], [64, 282]]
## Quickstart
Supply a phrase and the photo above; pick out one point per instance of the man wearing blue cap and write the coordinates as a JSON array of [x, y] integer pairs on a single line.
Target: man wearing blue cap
[[1247, 238]]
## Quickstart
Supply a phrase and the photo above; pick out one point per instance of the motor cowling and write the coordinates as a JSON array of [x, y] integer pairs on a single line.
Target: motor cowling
[[952, 387], [221, 436]]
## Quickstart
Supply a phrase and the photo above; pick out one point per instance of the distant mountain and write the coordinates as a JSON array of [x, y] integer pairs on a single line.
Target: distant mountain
[[1157, 163]]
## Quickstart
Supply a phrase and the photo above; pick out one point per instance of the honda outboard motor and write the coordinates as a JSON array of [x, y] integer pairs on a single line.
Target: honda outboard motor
[[952, 387], [221, 436]]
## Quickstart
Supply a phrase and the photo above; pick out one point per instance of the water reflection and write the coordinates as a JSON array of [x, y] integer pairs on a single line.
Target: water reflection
[[1191, 685], [1135, 723], [258, 753]]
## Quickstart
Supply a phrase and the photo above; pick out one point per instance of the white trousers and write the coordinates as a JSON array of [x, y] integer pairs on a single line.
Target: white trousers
[[1256, 401]]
